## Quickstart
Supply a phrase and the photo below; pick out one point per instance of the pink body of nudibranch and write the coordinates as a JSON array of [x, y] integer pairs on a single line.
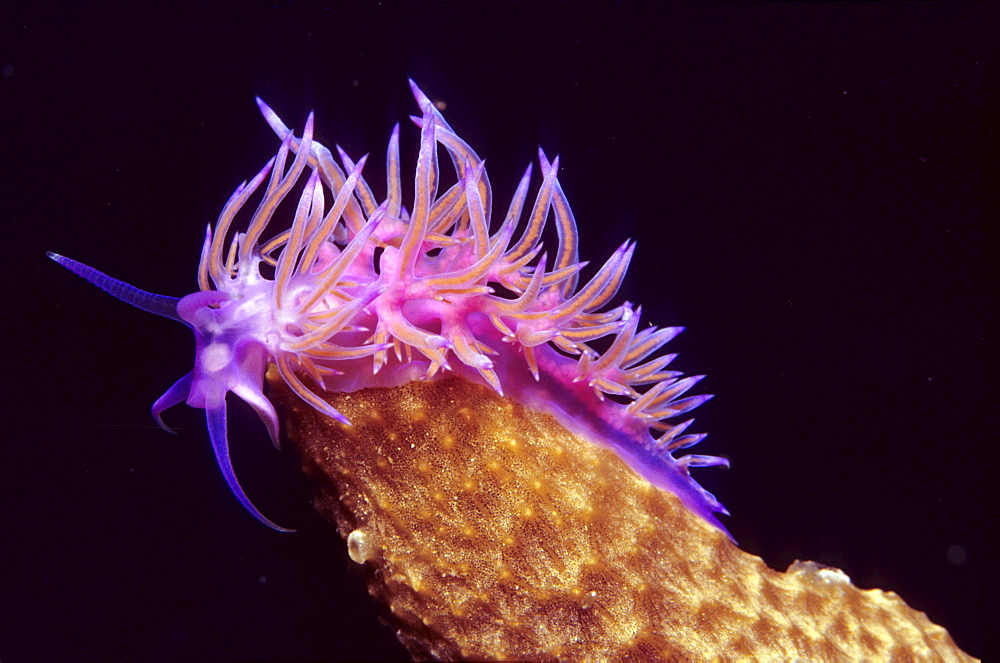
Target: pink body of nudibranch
[[359, 293]]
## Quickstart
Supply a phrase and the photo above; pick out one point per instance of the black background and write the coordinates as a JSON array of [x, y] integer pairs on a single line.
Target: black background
[[813, 190]]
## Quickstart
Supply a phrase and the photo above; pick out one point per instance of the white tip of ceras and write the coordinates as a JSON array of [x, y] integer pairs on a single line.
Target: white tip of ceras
[[418, 94], [269, 115]]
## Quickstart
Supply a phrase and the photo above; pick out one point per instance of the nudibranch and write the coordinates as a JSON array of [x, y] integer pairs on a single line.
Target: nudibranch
[[493, 437], [358, 293]]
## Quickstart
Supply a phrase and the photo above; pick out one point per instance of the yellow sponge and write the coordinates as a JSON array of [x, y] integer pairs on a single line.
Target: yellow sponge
[[491, 532]]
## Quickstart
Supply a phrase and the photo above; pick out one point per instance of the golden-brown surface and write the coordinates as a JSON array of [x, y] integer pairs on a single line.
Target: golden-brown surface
[[492, 532]]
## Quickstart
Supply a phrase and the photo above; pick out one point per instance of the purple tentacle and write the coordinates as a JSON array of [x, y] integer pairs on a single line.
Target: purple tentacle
[[174, 396], [189, 305], [216, 417], [146, 301], [259, 402]]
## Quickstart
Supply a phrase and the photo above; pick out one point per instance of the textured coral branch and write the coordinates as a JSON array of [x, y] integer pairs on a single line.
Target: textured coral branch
[[489, 531]]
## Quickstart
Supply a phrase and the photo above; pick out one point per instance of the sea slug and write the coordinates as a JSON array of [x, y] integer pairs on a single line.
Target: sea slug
[[493, 438]]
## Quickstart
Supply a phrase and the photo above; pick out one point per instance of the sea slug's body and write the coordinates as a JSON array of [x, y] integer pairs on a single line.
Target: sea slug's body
[[437, 370], [369, 295]]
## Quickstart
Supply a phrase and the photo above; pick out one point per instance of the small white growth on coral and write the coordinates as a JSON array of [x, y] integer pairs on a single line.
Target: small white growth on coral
[[826, 574], [360, 546]]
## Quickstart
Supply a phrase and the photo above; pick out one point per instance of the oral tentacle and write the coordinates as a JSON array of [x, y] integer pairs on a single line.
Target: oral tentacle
[[173, 396], [264, 409], [215, 415]]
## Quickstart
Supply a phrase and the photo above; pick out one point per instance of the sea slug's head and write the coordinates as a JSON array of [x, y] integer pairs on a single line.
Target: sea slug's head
[[360, 293], [242, 319]]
